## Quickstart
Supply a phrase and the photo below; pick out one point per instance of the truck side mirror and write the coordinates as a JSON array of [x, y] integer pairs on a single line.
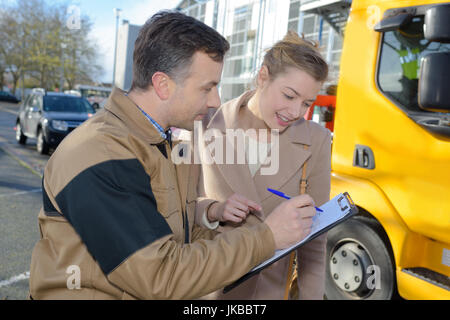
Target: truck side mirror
[[434, 93], [437, 23]]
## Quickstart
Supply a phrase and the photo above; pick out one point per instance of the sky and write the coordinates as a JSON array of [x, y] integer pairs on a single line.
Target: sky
[[101, 14]]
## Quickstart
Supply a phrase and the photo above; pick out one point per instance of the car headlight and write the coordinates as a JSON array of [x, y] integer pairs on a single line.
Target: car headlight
[[59, 125]]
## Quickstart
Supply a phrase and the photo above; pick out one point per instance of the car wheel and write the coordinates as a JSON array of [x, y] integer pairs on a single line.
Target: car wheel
[[41, 145], [20, 137], [358, 264]]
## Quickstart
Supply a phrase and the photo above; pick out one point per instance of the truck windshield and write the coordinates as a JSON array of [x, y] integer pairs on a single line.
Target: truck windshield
[[67, 104], [401, 53]]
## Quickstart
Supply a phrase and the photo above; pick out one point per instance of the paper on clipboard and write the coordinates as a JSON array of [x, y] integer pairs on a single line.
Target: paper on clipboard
[[335, 211]]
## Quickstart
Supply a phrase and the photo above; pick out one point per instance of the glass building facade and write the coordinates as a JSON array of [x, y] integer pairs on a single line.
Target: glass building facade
[[252, 26], [196, 9]]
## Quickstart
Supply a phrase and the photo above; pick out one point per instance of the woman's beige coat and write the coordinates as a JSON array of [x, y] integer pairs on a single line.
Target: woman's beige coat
[[220, 181]]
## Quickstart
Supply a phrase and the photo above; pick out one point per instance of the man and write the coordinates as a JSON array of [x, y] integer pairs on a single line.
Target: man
[[117, 216]]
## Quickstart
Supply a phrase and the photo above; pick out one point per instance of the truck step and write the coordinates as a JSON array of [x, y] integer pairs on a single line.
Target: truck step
[[430, 276]]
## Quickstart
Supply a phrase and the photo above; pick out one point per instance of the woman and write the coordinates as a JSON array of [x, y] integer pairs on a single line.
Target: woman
[[288, 82]]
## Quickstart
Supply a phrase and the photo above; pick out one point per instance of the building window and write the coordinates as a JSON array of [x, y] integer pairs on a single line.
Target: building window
[[294, 15], [309, 26], [193, 8], [241, 39], [233, 90], [330, 45], [239, 62]]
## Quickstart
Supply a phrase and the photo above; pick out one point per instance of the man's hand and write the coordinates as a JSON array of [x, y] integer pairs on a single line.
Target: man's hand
[[235, 209], [291, 221]]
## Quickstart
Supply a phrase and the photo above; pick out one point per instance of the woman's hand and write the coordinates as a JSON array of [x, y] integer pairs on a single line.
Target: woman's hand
[[235, 209]]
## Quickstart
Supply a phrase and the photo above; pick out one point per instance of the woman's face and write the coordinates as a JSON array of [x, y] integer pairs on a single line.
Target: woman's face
[[285, 99]]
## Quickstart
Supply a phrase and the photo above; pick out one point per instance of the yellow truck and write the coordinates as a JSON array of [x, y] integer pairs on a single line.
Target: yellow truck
[[391, 152]]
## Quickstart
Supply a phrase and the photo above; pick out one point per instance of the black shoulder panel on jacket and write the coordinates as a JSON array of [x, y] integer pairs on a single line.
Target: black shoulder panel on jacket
[[112, 208]]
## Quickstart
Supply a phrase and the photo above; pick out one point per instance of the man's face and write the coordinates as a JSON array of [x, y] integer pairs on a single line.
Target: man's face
[[193, 96]]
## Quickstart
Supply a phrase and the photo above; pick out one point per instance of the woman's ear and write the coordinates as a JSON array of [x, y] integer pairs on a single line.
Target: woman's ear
[[263, 76], [161, 85]]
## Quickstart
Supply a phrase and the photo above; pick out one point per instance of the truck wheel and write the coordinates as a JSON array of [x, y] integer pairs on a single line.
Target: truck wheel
[[358, 264], [20, 137], [41, 145]]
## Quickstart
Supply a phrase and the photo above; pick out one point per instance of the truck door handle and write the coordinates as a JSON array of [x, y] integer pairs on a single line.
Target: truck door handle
[[363, 157]]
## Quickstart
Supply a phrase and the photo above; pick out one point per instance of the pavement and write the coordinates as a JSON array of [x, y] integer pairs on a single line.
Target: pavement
[[20, 200]]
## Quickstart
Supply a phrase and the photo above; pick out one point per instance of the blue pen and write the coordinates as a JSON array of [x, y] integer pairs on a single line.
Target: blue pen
[[281, 194]]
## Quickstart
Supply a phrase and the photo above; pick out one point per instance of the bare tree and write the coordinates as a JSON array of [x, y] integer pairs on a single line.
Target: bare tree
[[39, 43], [80, 55], [13, 48]]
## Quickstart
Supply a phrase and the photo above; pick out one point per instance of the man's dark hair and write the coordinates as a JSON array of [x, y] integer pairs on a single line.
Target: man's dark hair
[[167, 42]]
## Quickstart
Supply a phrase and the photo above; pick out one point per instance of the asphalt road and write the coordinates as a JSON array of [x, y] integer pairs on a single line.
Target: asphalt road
[[21, 168]]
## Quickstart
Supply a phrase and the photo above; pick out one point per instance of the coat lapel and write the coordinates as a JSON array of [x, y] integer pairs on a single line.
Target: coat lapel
[[236, 175], [240, 181], [292, 156]]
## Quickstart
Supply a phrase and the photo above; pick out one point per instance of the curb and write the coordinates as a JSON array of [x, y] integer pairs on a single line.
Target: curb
[[19, 159]]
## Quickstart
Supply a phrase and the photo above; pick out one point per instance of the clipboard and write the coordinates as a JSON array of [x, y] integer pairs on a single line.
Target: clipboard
[[335, 211]]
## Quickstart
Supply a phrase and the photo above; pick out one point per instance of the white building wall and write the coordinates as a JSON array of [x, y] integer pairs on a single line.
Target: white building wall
[[126, 38], [121, 55], [209, 14]]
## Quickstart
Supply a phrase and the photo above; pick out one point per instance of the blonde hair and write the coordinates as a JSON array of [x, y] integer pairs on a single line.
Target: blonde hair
[[297, 52]]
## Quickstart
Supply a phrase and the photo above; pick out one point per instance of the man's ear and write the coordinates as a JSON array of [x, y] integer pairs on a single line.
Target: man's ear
[[161, 83], [263, 76]]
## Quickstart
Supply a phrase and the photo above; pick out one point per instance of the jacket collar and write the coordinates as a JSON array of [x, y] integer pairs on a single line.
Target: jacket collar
[[126, 110]]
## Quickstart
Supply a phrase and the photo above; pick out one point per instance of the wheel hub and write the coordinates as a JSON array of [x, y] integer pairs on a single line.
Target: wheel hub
[[348, 265]]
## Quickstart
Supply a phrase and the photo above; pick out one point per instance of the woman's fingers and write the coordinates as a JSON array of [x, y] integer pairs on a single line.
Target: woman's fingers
[[247, 202], [238, 207], [234, 214]]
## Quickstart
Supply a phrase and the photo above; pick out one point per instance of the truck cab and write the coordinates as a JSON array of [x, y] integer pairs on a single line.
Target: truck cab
[[391, 152]]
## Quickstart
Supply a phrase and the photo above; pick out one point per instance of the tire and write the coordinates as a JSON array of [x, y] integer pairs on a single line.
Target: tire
[[20, 137], [358, 263], [42, 145]]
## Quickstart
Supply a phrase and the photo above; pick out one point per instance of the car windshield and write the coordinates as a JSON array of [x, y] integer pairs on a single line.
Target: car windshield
[[67, 104]]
